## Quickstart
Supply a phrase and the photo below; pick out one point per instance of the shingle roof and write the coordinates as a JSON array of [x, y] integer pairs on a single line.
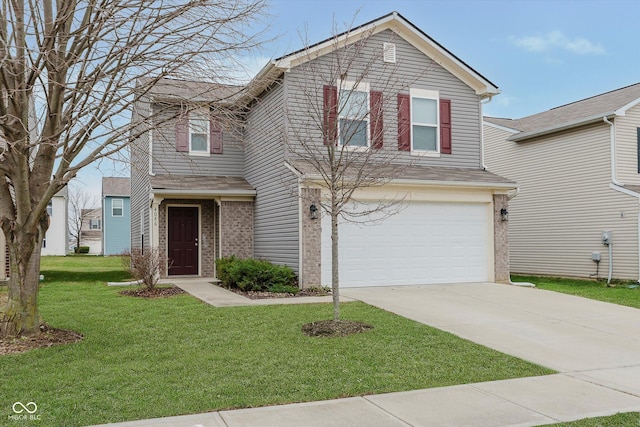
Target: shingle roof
[[195, 182], [430, 174], [116, 186], [195, 91], [574, 114]]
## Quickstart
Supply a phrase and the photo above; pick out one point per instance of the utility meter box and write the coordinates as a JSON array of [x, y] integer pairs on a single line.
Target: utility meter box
[[595, 256], [606, 238]]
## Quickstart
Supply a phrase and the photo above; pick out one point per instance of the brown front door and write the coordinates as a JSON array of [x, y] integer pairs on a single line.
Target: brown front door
[[183, 240]]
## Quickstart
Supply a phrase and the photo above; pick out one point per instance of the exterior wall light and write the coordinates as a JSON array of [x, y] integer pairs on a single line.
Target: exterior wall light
[[504, 213], [313, 209]]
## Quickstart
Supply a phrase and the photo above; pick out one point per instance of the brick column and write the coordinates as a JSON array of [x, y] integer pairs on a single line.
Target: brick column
[[236, 224], [500, 239], [311, 239]]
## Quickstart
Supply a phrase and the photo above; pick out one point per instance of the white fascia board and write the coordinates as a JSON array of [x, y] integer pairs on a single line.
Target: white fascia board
[[504, 128], [623, 110], [624, 190]]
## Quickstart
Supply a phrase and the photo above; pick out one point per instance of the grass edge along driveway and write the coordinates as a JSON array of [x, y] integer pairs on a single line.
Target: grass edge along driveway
[[155, 358]]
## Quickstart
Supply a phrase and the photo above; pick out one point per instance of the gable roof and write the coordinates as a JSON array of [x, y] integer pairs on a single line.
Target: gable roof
[[579, 113], [114, 186], [392, 21]]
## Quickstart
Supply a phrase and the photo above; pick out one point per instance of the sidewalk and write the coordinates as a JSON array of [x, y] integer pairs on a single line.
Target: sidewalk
[[517, 402]]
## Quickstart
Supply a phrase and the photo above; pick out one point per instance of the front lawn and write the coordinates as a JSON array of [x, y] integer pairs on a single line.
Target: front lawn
[[152, 358], [618, 294]]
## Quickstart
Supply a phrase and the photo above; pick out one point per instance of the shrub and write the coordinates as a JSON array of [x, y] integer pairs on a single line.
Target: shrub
[[144, 265], [256, 275], [81, 249]]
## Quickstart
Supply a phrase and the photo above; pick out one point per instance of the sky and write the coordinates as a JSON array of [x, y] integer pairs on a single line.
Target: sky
[[540, 54]]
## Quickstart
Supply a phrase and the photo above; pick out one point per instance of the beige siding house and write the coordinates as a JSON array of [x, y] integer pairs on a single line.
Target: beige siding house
[[578, 174]]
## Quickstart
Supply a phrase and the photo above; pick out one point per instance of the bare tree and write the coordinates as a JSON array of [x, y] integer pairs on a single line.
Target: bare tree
[[347, 138], [70, 73], [81, 203]]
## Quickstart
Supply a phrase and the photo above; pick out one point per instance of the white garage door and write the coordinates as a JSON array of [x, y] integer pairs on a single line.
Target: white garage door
[[425, 243]]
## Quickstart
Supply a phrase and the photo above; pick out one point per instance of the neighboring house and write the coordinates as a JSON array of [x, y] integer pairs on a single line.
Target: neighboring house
[[91, 230], [55, 241], [578, 169], [203, 189], [116, 215]]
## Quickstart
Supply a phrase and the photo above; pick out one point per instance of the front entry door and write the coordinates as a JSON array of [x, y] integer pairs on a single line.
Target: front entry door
[[183, 240]]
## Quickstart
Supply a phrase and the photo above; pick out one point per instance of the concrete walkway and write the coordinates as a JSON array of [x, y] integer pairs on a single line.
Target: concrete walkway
[[595, 346]]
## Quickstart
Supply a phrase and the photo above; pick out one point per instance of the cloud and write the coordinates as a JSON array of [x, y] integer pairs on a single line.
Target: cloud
[[557, 40]]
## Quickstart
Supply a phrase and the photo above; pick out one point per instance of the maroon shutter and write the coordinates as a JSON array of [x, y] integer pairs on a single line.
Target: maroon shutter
[[216, 137], [182, 133], [445, 126], [330, 110], [376, 119], [404, 122]]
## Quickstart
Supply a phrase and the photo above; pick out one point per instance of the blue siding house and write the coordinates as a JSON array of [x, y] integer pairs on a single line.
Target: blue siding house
[[116, 215]]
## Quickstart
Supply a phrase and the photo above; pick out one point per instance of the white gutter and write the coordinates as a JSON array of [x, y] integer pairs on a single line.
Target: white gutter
[[613, 151]]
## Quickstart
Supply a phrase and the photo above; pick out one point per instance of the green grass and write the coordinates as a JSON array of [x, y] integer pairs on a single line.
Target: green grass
[[618, 294], [619, 420], [154, 358]]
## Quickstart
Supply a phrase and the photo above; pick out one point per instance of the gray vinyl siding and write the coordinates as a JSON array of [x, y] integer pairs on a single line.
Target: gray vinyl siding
[[166, 160], [140, 186], [276, 229], [412, 70], [564, 204], [627, 146]]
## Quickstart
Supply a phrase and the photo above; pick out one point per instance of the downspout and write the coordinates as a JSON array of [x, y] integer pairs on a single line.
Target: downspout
[[613, 151]]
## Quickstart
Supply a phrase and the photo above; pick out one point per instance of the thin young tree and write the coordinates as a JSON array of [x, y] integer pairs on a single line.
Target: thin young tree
[[346, 137], [70, 73], [81, 203]]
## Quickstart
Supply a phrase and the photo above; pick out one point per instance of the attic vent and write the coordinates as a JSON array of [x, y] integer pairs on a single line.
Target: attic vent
[[389, 52]]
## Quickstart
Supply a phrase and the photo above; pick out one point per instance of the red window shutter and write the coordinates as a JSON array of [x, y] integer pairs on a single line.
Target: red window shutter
[[215, 137], [330, 110], [182, 133], [445, 126], [376, 119], [404, 122]]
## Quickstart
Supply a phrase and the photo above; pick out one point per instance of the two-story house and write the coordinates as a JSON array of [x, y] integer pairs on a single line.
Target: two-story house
[[204, 187], [116, 215], [578, 169], [91, 230]]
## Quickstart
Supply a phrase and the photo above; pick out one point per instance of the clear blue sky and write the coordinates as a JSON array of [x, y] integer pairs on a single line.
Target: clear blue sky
[[541, 54]]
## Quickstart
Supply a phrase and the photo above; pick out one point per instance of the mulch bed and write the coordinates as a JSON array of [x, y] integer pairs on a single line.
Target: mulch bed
[[266, 295], [159, 292], [47, 337], [334, 328]]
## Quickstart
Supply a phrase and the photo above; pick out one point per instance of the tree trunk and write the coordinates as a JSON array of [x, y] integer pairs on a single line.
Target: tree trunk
[[335, 276], [21, 315]]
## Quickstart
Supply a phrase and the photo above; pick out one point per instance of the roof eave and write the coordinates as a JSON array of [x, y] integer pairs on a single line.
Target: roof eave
[[564, 126], [201, 193]]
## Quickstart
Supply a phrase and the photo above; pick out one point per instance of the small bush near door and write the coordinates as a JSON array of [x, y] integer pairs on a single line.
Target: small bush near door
[[256, 275]]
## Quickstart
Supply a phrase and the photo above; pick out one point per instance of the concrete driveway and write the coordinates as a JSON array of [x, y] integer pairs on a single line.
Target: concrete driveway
[[587, 339]]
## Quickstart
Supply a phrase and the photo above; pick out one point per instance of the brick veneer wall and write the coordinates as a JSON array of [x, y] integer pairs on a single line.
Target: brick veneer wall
[[236, 234], [501, 239], [311, 239], [207, 243]]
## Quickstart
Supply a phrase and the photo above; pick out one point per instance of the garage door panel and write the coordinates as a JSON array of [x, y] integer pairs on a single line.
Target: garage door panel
[[424, 243]]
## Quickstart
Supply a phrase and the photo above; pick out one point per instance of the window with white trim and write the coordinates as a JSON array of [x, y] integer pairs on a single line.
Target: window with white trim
[[353, 114], [424, 120], [199, 143], [50, 207], [117, 207], [95, 224]]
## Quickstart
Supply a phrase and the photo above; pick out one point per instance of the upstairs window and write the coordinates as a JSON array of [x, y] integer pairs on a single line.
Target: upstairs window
[[353, 110], [198, 134], [95, 224], [117, 207], [424, 122]]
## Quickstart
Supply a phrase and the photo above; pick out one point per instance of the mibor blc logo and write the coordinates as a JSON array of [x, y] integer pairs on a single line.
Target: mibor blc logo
[[24, 411]]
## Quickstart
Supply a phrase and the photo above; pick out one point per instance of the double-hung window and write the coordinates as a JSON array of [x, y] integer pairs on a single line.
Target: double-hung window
[[199, 134], [353, 113], [117, 207], [424, 120], [95, 224]]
